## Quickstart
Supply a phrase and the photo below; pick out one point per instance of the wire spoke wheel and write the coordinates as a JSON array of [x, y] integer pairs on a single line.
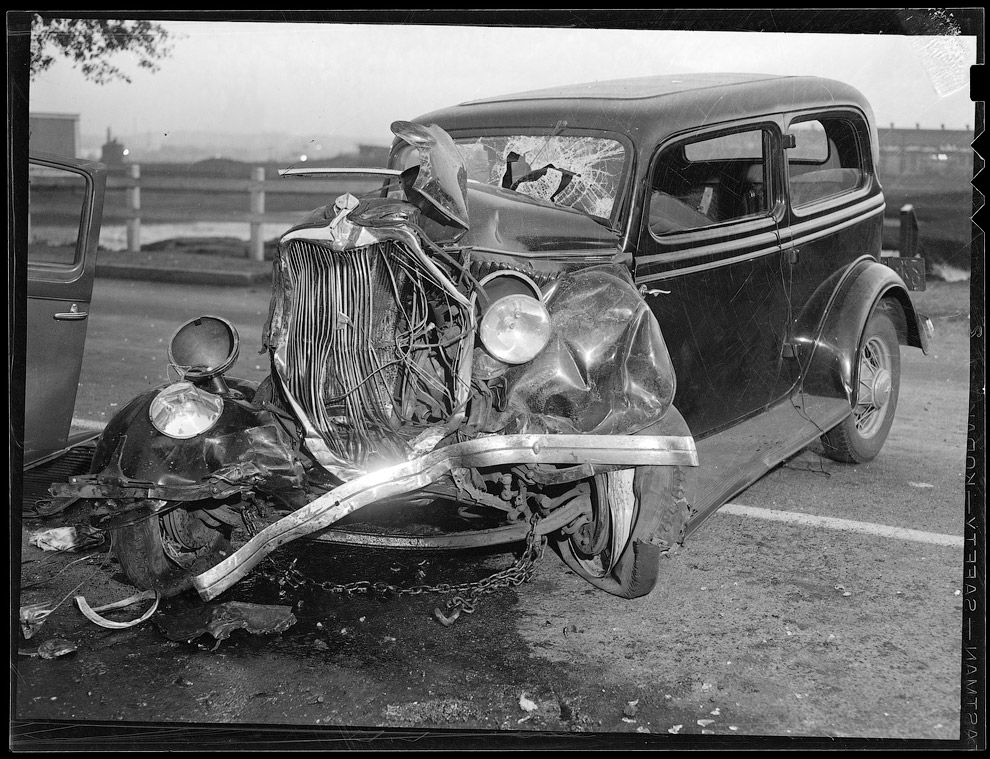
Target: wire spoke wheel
[[860, 436]]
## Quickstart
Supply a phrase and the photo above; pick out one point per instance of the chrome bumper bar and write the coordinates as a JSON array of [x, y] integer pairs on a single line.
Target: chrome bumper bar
[[502, 450]]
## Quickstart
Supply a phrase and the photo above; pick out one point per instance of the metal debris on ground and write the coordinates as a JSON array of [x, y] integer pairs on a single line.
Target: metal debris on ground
[[632, 708], [71, 538], [220, 620], [33, 616], [52, 649], [526, 704], [92, 615]]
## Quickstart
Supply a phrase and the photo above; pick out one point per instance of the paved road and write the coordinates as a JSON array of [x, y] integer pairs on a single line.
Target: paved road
[[130, 326], [762, 627]]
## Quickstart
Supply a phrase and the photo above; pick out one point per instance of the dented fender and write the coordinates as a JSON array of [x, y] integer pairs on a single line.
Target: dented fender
[[605, 369], [246, 447]]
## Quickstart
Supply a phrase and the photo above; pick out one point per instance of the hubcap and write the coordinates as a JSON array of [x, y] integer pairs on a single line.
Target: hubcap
[[881, 387], [875, 387]]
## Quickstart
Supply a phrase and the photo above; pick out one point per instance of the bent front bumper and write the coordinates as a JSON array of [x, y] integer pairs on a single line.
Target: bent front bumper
[[502, 450]]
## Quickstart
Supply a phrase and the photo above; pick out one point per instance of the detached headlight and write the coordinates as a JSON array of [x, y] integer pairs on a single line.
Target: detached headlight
[[183, 410], [515, 328]]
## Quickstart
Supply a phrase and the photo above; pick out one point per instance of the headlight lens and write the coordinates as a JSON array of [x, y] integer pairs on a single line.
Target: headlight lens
[[515, 328], [183, 410]]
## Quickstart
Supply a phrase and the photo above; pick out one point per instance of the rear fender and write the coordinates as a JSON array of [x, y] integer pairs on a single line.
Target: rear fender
[[828, 330]]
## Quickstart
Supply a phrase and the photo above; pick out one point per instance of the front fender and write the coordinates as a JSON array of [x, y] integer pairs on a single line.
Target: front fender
[[131, 451], [827, 332], [605, 369]]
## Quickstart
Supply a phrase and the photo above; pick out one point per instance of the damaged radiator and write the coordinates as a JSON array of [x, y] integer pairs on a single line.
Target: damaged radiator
[[354, 337]]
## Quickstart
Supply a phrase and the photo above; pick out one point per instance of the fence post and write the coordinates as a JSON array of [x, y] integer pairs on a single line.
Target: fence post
[[134, 203], [256, 251], [909, 232]]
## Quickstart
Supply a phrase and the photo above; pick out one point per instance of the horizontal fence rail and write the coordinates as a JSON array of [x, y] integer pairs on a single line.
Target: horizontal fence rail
[[253, 212]]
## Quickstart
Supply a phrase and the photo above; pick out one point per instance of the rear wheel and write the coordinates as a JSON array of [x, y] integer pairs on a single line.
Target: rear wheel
[[637, 518], [861, 435], [166, 551]]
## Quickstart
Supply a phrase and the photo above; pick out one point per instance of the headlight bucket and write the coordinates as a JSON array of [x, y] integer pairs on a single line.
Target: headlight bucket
[[204, 348], [514, 325]]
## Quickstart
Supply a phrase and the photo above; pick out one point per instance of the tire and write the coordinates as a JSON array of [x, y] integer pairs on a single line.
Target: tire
[[165, 552], [861, 435], [661, 498]]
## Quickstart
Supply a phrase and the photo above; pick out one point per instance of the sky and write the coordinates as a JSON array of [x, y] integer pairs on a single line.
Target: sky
[[353, 80]]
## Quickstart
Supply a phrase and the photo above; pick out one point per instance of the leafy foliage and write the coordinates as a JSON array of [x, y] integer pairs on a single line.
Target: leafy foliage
[[89, 43]]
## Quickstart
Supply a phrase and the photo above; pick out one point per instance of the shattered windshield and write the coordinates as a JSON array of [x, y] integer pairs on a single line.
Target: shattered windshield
[[583, 173]]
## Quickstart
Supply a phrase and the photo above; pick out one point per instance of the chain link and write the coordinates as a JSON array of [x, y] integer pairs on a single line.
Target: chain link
[[466, 593]]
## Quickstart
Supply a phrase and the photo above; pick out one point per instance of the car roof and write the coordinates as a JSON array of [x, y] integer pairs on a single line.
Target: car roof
[[637, 88], [632, 106]]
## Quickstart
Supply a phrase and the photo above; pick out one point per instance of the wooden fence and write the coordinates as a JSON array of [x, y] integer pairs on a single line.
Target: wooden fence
[[253, 214]]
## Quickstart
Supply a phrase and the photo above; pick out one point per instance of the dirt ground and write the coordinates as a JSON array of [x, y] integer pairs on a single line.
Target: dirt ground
[[759, 628]]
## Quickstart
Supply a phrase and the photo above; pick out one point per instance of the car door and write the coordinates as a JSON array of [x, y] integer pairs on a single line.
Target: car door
[[711, 266], [65, 207]]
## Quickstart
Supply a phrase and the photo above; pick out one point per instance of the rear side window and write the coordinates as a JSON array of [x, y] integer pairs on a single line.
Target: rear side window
[[827, 160], [709, 181]]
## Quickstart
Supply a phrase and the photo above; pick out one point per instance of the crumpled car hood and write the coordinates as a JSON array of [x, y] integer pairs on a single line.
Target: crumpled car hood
[[510, 222]]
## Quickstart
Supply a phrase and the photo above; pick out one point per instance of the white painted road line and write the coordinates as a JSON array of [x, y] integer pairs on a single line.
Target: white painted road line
[[849, 525], [85, 424]]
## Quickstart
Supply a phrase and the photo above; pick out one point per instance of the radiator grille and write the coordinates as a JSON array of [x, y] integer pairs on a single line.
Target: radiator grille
[[353, 329]]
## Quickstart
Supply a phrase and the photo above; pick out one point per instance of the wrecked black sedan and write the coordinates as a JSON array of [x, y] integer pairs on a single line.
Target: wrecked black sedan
[[589, 315]]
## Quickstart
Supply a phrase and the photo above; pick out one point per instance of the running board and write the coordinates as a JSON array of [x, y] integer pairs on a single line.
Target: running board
[[731, 461]]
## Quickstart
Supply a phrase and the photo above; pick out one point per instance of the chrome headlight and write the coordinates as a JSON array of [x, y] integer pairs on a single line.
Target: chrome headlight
[[183, 410], [515, 325]]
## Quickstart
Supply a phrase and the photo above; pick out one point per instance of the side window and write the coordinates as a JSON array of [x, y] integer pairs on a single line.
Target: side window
[[710, 181], [56, 200], [826, 160]]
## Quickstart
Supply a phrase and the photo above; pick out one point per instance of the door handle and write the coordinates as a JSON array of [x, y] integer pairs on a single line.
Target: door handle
[[72, 315]]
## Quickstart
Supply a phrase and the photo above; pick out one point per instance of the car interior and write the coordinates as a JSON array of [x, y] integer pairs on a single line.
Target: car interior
[[695, 194]]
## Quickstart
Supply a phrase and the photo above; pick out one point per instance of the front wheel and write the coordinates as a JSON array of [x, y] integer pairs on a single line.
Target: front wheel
[[861, 435], [164, 552], [638, 517]]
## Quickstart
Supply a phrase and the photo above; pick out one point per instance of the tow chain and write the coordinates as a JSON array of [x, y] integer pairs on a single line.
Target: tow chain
[[467, 593]]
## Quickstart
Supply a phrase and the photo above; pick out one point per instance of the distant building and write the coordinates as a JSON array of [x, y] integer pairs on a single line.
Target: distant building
[[112, 153], [372, 155], [56, 133], [908, 153]]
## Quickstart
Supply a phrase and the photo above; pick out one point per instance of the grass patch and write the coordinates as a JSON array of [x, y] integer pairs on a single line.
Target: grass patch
[[943, 299]]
